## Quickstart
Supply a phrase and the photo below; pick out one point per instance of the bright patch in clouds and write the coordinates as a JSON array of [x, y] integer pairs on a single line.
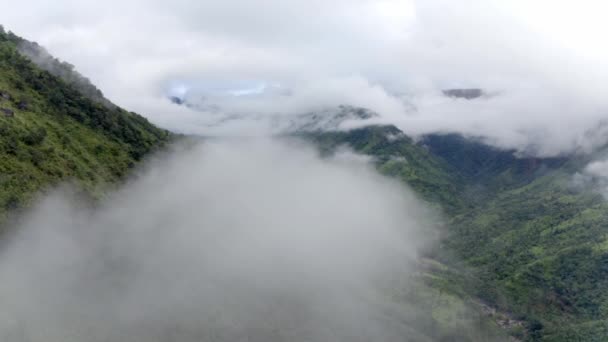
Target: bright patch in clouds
[[578, 25]]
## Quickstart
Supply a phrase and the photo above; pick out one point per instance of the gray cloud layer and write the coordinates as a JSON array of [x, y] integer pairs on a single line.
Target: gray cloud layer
[[547, 67], [225, 241]]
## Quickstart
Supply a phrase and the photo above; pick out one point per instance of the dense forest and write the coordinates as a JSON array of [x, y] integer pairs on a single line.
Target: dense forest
[[527, 242], [50, 131]]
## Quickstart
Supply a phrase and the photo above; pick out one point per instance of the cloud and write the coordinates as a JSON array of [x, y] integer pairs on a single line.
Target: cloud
[[594, 177], [391, 56], [223, 241]]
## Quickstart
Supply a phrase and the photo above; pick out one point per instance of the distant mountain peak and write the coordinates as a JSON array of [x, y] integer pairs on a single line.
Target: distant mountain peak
[[177, 100], [464, 93], [329, 119]]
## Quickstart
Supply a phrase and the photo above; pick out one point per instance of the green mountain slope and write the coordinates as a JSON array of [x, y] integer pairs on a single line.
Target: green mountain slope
[[486, 169], [531, 245], [540, 250], [397, 155], [50, 132]]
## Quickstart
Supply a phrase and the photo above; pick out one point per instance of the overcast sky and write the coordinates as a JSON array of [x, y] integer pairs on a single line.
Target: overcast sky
[[545, 60]]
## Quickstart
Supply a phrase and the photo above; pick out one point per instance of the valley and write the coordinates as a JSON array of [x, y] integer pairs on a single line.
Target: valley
[[518, 248]]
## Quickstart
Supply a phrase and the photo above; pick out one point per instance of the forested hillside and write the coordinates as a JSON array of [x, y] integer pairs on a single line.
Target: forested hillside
[[531, 244], [50, 132]]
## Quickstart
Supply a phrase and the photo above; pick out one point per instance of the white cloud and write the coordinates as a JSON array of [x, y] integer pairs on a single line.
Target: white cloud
[[593, 177], [549, 67], [224, 241]]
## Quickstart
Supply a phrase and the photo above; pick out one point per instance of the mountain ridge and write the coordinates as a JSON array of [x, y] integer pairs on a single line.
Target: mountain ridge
[[51, 133], [531, 244]]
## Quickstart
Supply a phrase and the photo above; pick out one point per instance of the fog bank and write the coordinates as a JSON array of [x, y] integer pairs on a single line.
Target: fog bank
[[242, 240]]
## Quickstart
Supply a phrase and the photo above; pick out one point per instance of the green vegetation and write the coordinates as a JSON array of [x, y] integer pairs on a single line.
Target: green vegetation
[[531, 246], [447, 312], [397, 155], [63, 70], [50, 132], [539, 251]]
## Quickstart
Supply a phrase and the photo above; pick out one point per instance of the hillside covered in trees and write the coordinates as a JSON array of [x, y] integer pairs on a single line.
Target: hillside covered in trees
[[55, 126], [524, 239]]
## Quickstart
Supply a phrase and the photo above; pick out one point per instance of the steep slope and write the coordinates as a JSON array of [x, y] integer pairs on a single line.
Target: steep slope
[[486, 170], [397, 155], [50, 132], [65, 71], [540, 250], [532, 244], [481, 163], [536, 241]]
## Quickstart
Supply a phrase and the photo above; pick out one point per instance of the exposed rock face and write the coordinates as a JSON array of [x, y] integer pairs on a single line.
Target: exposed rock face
[[469, 94]]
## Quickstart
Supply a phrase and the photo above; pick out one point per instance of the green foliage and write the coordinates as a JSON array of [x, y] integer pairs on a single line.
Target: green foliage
[[57, 134], [540, 251], [398, 156], [487, 170], [531, 244]]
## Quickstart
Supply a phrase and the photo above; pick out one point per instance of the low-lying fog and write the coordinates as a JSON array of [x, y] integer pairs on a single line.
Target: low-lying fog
[[248, 240]]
